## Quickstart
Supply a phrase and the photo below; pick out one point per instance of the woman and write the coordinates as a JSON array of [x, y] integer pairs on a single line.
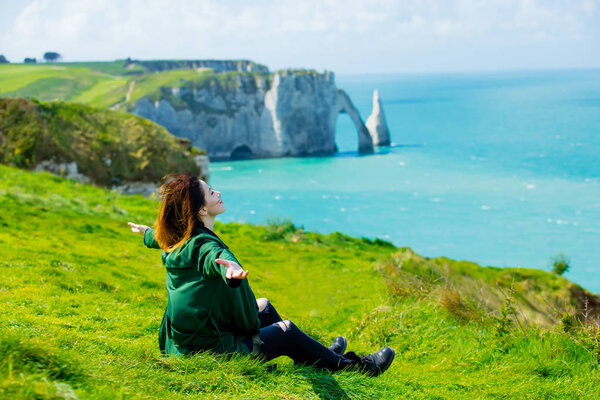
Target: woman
[[210, 303]]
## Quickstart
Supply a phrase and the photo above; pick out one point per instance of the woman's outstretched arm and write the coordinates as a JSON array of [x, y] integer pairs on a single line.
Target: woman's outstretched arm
[[234, 270], [147, 232], [140, 229]]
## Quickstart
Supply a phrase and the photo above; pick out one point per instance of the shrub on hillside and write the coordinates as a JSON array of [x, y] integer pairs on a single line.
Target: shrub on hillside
[[283, 229], [452, 301], [584, 329], [107, 147], [508, 314], [560, 264]]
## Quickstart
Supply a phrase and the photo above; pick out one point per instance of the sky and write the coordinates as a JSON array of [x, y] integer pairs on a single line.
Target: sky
[[344, 36]]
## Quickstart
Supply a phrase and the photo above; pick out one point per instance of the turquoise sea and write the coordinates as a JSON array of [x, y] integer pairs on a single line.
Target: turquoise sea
[[498, 168]]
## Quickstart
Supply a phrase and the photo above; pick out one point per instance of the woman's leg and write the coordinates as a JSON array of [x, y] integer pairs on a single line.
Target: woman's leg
[[268, 316], [285, 339], [266, 312]]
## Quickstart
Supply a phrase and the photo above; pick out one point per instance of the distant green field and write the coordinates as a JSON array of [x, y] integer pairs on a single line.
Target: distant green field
[[81, 300], [48, 82], [105, 92], [103, 84]]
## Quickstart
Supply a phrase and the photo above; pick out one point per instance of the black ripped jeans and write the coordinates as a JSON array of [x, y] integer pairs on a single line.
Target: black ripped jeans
[[283, 338]]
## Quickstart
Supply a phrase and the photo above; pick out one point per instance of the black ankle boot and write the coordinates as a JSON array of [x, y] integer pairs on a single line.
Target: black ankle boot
[[338, 345], [373, 364]]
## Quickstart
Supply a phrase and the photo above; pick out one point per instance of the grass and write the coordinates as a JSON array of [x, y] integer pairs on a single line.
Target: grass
[[105, 92], [81, 300], [47, 82]]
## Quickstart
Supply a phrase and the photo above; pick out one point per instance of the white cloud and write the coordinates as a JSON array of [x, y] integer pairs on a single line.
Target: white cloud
[[444, 27], [589, 6], [321, 33]]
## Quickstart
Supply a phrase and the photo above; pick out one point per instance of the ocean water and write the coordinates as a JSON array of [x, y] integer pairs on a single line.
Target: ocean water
[[498, 168]]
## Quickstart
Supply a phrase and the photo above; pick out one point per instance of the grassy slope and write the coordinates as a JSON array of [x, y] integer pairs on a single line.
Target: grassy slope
[[101, 84], [108, 147], [49, 82], [81, 300]]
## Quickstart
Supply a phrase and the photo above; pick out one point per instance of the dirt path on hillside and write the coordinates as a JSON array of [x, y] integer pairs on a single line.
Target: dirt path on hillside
[[131, 86]]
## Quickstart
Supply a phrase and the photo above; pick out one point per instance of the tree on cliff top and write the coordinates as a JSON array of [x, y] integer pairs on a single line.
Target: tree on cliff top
[[52, 56]]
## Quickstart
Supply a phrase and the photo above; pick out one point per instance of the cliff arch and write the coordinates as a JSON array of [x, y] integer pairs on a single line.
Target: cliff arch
[[344, 105], [242, 152], [293, 115]]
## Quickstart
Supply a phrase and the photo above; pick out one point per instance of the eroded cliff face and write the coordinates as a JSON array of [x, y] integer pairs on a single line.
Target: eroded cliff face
[[288, 113], [216, 65]]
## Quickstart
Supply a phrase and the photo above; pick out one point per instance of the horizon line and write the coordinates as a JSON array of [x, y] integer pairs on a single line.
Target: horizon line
[[409, 72]]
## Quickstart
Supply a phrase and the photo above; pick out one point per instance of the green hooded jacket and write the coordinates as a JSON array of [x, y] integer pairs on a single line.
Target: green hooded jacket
[[204, 311]]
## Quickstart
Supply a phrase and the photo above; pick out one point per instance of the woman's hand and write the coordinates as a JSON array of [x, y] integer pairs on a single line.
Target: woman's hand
[[234, 270], [141, 229]]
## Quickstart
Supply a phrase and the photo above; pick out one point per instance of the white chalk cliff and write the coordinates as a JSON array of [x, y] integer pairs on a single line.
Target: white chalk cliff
[[376, 123], [287, 113]]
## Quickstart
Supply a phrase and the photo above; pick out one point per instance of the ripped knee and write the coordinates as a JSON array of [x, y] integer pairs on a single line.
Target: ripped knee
[[285, 325], [262, 303]]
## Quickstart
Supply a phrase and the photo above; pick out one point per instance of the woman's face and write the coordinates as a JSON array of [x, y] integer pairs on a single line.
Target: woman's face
[[213, 206]]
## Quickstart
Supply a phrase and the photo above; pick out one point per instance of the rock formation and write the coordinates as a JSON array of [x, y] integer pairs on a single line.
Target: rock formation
[[376, 123], [288, 113], [68, 170]]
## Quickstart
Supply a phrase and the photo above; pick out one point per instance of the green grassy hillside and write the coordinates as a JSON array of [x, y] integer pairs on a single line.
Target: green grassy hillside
[[59, 81], [114, 84], [81, 300], [108, 147]]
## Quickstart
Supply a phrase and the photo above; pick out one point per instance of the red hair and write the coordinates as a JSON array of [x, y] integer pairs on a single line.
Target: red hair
[[181, 199]]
